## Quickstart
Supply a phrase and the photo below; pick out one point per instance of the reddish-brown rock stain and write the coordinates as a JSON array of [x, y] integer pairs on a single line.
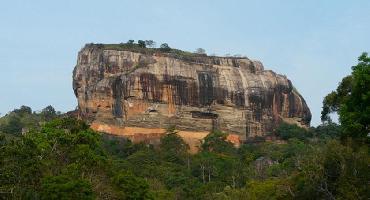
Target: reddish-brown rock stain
[[153, 135]]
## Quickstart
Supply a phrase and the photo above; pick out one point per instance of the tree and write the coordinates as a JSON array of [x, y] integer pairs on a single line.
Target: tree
[[327, 130], [48, 113], [56, 158], [141, 43], [150, 43], [13, 126], [63, 187], [165, 48], [287, 131], [173, 148], [132, 187], [333, 100], [130, 42], [267, 189], [23, 110], [332, 171], [216, 142], [352, 101], [200, 51]]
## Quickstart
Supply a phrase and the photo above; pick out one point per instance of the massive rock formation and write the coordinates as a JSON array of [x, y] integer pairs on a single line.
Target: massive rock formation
[[139, 93]]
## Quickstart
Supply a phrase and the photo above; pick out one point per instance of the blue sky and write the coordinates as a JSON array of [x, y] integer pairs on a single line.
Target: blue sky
[[313, 42]]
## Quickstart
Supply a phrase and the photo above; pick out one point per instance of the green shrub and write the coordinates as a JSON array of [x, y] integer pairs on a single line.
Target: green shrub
[[286, 131], [63, 187]]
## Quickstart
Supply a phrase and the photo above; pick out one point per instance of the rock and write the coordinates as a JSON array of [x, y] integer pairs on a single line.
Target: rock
[[149, 90]]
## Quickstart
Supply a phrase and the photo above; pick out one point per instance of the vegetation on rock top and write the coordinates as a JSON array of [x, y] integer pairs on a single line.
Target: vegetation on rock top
[[148, 47]]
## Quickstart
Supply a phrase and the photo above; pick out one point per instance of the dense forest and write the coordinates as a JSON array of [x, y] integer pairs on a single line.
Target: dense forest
[[49, 155]]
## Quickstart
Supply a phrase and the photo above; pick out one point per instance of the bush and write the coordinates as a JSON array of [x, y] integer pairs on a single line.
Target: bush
[[173, 148], [13, 126], [141, 43], [63, 187], [132, 186], [216, 142], [327, 130], [286, 131], [165, 48]]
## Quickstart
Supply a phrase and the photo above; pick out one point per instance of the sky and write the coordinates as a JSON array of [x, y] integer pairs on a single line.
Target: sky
[[313, 42]]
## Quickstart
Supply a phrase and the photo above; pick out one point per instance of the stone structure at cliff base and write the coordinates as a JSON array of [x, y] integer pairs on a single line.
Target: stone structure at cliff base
[[139, 94]]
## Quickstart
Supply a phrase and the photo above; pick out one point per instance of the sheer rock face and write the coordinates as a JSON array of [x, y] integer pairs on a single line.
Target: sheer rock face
[[124, 89]]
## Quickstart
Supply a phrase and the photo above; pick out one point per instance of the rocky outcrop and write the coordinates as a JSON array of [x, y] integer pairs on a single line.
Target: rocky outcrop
[[124, 92]]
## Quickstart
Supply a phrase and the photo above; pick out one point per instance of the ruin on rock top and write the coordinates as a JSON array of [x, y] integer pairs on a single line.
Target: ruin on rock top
[[138, 93]]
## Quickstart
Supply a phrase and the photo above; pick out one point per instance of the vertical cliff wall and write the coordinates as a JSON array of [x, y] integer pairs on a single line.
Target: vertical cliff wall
[[122, 89]]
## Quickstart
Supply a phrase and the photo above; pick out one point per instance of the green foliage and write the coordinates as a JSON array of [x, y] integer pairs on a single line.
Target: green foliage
[[22, 120], [173, 148], [64, 159], [150, 43], [132, 187], [216, 142], [200, 51], [120, 147], [63, 187], [287, 131], [352, 101], [210, 167], [62, 147], [12, 125], [327, 130], [23, 110], [141, 43], [267, 189], [332, 171], [165, 47], [48, 113]]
